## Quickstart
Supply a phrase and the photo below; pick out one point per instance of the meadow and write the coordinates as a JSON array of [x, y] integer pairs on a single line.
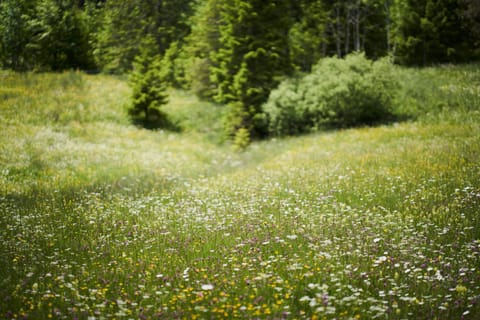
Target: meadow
[[100, 219]]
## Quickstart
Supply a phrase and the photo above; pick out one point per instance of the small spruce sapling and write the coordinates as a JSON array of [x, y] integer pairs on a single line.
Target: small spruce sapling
[[242, 140], [149, 90]]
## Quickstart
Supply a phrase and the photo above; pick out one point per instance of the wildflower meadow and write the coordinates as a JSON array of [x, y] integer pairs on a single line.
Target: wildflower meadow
[[100, 219]]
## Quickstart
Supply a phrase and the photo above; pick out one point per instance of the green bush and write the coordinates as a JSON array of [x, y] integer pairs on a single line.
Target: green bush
[[337, 93]]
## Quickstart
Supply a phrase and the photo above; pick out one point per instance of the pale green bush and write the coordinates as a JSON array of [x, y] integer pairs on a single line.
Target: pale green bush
[[337, 93]]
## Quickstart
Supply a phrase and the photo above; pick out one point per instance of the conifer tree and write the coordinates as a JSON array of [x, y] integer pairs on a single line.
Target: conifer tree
[[148, 89], [253, 51], [308, 36], [431, 31], [200, 48], [126, 23]]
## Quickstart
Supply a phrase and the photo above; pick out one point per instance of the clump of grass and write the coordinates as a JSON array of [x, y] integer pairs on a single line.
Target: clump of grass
[[102, 219]]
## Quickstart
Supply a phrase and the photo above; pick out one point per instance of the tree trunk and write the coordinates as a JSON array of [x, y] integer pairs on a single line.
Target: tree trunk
[[347, 31], [324, 43], [357, 26], [337, 32], [387, 24]]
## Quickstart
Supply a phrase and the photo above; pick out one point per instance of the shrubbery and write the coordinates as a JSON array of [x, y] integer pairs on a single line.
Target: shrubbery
[[337, 93]]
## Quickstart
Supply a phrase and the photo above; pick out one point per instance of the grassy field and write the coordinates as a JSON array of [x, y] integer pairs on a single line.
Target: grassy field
[[100, 219]]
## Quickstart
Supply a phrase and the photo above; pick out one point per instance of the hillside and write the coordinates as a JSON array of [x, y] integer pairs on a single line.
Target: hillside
[[103, 219]]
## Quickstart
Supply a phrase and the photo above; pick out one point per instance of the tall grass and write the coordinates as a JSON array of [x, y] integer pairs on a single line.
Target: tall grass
[[101, 219], [444, 93]]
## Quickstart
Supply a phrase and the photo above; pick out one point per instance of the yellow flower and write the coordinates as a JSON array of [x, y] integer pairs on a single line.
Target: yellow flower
[[461, 289]]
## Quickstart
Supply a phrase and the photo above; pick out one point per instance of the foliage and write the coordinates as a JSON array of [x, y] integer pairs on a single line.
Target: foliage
[[242, 139], [148, 90], [62, 36], [251, 56], [284, 111], [173, 66], [125, 22], [200, 47], [117, 39], [432, 31], [15, 33], [338, 92], [307, 37], [44, 34], [354, 26], [205, 41], [470, 15]]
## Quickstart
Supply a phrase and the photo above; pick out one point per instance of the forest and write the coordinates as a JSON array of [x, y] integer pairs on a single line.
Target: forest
[[106, 35], [235, 52]]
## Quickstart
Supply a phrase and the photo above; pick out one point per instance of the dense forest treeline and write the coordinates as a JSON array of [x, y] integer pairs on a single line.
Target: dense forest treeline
[[234, 52], [107, 35]]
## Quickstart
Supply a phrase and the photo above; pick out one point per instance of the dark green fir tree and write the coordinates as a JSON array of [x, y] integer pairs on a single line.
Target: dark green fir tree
[[149, 92]]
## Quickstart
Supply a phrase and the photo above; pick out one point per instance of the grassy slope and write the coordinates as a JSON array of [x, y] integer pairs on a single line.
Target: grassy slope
[[100, 218]]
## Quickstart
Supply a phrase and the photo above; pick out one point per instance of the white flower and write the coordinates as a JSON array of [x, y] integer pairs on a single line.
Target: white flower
[[207, 287]]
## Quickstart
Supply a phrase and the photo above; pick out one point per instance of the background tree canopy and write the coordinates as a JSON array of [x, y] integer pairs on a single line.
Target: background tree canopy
[[214, 35], [234, 52]]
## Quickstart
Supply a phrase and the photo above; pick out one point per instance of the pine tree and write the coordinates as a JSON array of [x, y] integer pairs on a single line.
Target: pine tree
[[117, 39], [253, 51], [431, 31], [148, 89], [200, 48], [125, 23], [307, 37]]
